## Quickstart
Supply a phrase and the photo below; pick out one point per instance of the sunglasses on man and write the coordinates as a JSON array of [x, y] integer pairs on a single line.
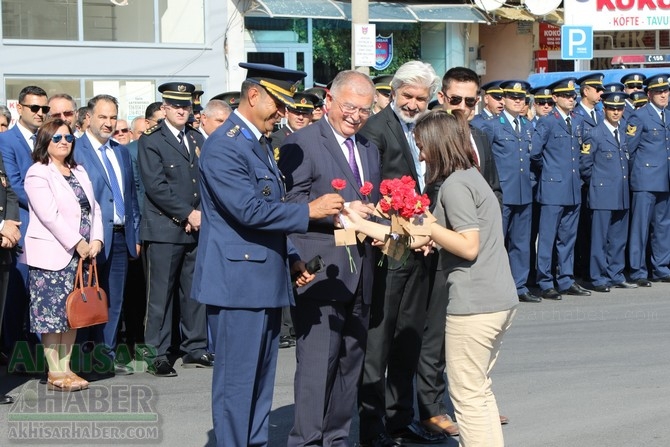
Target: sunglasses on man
[[120, 131], [35, 108], [457, 100]]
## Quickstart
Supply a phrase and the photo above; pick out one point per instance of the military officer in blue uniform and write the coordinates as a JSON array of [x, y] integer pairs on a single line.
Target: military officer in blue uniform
[[590, 88], [604, 167], [244, 265], [510, 135], [633, 82], [648, 139], [556, 148], [543, 103], [638, 99], [493, 104]]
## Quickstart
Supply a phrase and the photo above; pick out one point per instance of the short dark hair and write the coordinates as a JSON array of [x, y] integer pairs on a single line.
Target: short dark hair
[[31, 90], [44, 135], [151, 109], [459, 74], [81, 115], [94, 101]]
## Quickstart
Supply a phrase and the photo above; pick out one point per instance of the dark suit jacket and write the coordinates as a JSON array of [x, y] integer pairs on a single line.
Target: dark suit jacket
[[310, 159], [133, 147], [170, 176], [244, 254], [9, 209], [487, 164], [86, 156], [386, 132]]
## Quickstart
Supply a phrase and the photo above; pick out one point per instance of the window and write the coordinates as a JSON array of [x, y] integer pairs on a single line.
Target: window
[[141, 21]]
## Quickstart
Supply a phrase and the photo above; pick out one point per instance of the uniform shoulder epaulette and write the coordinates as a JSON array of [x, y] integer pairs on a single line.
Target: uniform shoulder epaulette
[[151, 130], [233, 131]]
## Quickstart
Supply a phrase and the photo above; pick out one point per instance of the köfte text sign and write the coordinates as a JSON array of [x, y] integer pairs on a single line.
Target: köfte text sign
[[618, 15]]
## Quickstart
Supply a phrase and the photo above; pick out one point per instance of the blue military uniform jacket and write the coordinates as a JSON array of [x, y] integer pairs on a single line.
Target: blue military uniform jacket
[[244, 252], [586, 117], [555, 153], [604, 165], [512, 158], [480, 118], [648, 140]]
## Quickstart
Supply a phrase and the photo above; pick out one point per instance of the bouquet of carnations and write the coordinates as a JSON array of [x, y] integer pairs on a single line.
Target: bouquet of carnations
[[407, 211]]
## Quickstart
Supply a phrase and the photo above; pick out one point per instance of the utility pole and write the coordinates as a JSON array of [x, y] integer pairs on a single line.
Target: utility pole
[[359, 15]]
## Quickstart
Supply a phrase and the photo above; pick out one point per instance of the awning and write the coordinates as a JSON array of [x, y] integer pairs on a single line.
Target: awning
[[378, 11], [522, 15]]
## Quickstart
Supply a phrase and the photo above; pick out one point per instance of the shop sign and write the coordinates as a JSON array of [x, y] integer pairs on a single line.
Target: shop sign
[[550, 37], [618, 15]]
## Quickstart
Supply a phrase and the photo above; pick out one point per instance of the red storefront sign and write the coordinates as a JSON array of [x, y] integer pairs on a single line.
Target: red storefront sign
[[550, 37]]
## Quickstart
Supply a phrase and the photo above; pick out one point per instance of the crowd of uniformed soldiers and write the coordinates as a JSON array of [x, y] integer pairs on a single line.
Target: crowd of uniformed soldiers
[[592, 175]]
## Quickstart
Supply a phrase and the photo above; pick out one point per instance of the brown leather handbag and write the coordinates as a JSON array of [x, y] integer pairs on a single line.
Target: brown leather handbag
[[87, 304]]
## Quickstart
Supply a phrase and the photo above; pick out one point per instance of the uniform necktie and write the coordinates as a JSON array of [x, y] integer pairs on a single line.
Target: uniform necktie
[[516, 126], [265, 142], [119, 206], [182, 142], [616, 137], [593, 116], [568, 123], [352, 161]]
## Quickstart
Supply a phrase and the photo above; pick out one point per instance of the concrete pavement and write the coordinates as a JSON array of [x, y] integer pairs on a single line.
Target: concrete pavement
[[585, 371]]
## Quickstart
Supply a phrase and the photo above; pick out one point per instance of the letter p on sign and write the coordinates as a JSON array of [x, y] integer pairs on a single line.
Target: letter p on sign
[[576, 42]]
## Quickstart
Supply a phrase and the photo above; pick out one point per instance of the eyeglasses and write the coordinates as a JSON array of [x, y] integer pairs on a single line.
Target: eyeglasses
[[544, 102], [350, 109], [68, 137], [567, 95], [634, 85], [35, 108], [457, 100], [66, 114], [120, 131]]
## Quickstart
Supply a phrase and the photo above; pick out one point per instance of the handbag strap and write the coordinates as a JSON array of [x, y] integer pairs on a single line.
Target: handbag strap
[[79, 279], [93, 274]]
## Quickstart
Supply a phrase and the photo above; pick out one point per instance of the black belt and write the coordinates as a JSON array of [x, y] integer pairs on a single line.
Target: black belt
[[119, 228]]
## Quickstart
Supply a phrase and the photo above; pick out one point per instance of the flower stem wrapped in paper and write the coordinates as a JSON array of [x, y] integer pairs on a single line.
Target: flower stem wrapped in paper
[[408, 212], [344, 236]]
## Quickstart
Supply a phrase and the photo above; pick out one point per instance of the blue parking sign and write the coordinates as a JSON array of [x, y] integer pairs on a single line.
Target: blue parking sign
[[576, 42]]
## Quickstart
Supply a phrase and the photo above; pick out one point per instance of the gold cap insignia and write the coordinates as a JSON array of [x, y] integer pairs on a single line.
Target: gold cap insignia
[[181, 88]]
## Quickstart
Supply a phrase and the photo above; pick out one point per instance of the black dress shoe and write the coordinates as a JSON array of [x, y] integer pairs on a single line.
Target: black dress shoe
[[577, 290], [643, 282], [286, 341], [416, 434], [529, 298], [381, 440], [602, 288], [625, 285], [204, 361], [551, 294], [4, 400], [161, 368], [664, 279]]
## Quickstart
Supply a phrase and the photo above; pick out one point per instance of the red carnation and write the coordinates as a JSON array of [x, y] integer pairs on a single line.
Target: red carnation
[[338, 184], [366, 189]]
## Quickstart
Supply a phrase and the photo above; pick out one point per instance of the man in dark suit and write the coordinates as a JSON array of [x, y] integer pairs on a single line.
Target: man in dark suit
[[16, 146], [10, 235], [331, 315], [400, 292], [168, 158], [511, 135], [648, 139], [460, 87], [244, 264], [110, 169]]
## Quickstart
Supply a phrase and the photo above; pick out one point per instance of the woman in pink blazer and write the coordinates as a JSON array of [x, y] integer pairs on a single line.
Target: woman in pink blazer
[[65, 225]]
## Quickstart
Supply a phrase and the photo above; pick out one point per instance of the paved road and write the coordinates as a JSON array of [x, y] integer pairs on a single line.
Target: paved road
[[585, 372]]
